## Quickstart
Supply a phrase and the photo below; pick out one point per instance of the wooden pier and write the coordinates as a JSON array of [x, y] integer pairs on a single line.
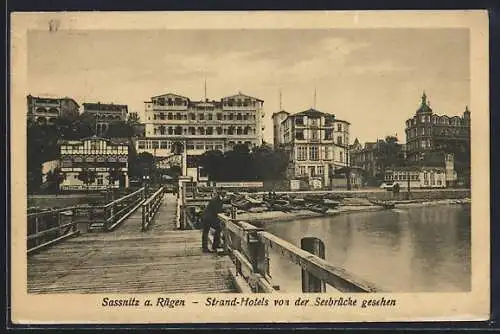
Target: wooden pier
[[145, 246], [129, 260]]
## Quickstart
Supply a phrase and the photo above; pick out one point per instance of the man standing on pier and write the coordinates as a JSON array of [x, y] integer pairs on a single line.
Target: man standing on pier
[[210, 220]]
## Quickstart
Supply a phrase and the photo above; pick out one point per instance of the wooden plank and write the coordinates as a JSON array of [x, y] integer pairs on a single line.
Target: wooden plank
[[337, 277], [127, 260]]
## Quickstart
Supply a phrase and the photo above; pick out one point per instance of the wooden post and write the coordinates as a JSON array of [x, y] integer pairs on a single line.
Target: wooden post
[[144, 208], [311, 283], [258, 253]]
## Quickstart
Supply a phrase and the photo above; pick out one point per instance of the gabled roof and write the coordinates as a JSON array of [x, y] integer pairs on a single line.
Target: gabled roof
[[171, 94], [312, 113], [280, 112], [242, 95]]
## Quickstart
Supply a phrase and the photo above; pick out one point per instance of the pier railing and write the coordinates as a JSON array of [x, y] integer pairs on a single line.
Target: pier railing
[[48, 227], [45, 228], [150, 207], [249, 247]]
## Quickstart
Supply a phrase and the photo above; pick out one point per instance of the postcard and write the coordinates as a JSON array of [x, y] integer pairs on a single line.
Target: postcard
[[249, 167]]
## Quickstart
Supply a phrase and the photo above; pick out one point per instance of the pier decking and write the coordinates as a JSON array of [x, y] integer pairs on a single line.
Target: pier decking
[[126, 260]]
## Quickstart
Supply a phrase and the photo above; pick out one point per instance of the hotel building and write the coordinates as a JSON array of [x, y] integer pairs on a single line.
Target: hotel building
[[429, 132], [46, 110], [316, 141], [201, 125], [94, 154], [105, 114]]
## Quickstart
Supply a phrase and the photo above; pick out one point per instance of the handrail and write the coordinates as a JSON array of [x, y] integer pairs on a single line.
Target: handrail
[[48, 227], [121, 199], [150, 207], [248, 246]]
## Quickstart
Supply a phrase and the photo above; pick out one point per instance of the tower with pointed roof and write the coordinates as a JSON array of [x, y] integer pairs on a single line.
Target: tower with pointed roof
[[429, 134]]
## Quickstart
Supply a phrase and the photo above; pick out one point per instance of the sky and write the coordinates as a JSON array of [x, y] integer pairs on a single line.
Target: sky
[[373, 78]]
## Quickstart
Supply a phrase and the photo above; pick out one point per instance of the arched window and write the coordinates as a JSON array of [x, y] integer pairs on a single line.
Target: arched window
[[178, 130], [170, 116], [41, 120], [230, 130], [170, 130], [238, 131], [178, 116], [219, 130], [201, 130], [41, 110], [239, 117], [162, 130], [246, 130], [210, 131], [53, 111], [192, 130]]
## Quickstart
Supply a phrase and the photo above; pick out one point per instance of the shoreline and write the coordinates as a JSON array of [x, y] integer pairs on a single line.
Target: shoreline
[[267, 217]]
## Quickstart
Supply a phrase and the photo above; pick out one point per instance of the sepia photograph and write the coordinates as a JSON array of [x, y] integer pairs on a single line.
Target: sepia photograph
[[225, 166]]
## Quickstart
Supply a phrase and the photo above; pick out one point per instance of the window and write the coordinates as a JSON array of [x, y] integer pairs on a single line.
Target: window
[[162, 130], [219, 116], [219, 130], [210, 131], [192, 130], [314, 134], [210, 116], [339, 140], [230, 131], [339, 126], [170, 130], [239, 117], [201, 117], [239, 130], [192, 116], [201, 130], [328, 134], [178, 130], [299, 121], [341, 156], [100, 180], [320, 170], [299, 135], [170, 116], [313, 153], [155, 144], [231, 116], [162, 116], [200, 146], [141, 144], [301, 153], [303, 170], [164, 144]]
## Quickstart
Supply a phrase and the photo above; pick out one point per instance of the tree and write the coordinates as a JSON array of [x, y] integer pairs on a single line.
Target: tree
[[133, 118], [114, 174], [269, 163], [54, 179], [87, 176], [213, 164], [120, 130]]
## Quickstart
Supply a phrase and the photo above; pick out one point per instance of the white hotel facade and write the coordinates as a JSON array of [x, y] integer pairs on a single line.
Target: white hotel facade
[[201, 125], [318, 144]]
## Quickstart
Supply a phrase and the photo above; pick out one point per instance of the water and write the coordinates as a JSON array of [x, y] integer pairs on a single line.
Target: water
[[419, 249]]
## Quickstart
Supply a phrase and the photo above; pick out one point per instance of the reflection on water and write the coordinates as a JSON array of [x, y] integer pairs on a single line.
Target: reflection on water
[[421, 249]]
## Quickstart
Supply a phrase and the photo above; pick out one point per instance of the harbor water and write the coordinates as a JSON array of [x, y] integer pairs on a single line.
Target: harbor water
[[412, 249]]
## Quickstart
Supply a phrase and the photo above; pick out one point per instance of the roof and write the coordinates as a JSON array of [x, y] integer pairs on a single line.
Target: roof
[[242, 95], [104, 106], [53, 98], [115, 141], [312, 113], [280, 112], [170, 94]]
